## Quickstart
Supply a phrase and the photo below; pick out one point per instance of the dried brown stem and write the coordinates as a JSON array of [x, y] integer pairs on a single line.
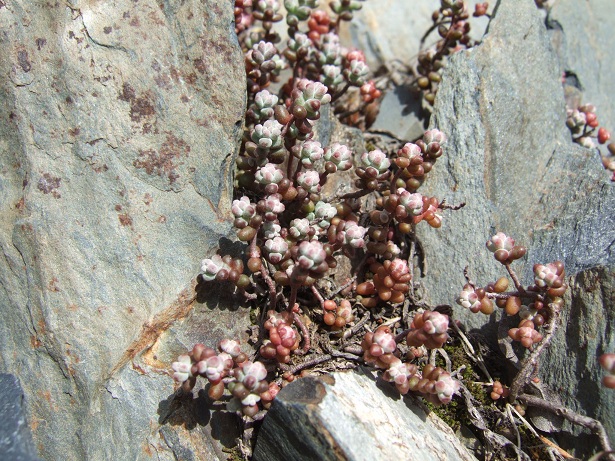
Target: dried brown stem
[[344, 286], [515, 279], [270, 284], [305, 333], [531, 362], [592, 424], [493, 441], [359, 325], [319, 297]]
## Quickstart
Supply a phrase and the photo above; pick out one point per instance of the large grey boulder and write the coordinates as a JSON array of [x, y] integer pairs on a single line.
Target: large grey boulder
[[120, 123], [511, 160], [582, 37], [347, 416]]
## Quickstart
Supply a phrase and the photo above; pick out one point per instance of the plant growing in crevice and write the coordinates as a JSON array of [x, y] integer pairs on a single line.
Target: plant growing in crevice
[[586, 131], [296, 235]]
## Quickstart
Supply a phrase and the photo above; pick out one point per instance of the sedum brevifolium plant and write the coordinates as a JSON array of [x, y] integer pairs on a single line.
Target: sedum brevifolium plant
[[295, 235]]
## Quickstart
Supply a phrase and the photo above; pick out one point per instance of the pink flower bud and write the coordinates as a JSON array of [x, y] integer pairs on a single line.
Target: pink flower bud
[[446, 386], [376, 159], [230, 346], [469, 299], [211, 267], [254, 369], [409, 204], [384, 339], [182, 368], [309, 180], [436, 323], [311, 254], [276, 249], [339, 155], [500, 241]]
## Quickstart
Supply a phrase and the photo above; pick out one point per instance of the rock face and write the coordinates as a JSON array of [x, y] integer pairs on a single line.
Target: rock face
[[15, 437], [120, 122], [580, 32], [511, 160], [569, 365], [389, 32], [346, 416]]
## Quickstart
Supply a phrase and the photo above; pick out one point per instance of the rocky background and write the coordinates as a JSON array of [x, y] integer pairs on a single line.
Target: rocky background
[[119, 125]]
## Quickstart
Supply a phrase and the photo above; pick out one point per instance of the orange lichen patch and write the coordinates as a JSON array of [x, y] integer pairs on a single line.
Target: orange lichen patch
[[166, 160], [152, 329], [34, 424], [35, 342], [47, 396], [73, 357], [125, 219], [147, 449], [53, 285]]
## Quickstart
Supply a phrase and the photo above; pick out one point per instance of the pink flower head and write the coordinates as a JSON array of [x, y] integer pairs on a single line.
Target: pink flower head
[[269, 174], [182, 368], [252, 373], [273, 207], [216, 367], [309, 180], [353, 234], [384, 339], [211, 267], [231, 347], [446, 387], [500, 241], [276, 249], [339, 155], [243, 211], [311, 254], [375, 159], [409, 204], [545, 275], [469, 299], [410, 151], [436, 323]]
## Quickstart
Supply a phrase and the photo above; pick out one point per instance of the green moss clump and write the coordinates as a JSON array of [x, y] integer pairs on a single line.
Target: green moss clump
[[455, 413]]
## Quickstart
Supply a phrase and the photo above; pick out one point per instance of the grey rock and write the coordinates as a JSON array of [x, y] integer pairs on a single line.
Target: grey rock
[[570, 365], [511, 160], [15, 437], [389, 33], [582, 34], [348, 416], [120, 126]]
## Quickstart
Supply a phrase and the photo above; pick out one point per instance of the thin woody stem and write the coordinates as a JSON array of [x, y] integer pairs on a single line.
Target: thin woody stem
[[529, 364], [594, 425], [305, 333], [515, 279]]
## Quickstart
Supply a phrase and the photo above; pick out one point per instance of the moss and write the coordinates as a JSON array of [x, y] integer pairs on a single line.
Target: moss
[[370, 146], [455, 413], [234, 454]]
